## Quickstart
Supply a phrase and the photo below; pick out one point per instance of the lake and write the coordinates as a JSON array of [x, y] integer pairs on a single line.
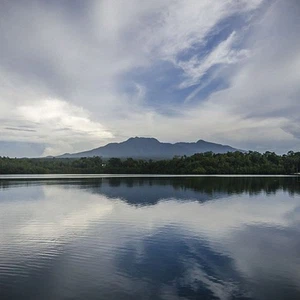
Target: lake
[[81, 237]]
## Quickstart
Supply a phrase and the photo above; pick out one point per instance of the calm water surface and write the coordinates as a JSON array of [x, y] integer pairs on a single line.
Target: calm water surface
[[150, 238]]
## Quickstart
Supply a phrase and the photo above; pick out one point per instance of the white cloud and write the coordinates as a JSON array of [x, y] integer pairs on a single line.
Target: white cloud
[[196, 68], [56, 123], [184, 24]]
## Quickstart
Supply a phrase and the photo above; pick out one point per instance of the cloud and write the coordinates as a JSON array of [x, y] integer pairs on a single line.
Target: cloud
[[236, 64], [265, 87], [56, 123], [185, 25], [195, 69]]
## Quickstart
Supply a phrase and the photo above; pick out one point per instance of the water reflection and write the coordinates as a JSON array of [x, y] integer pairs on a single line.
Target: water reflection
[[193, 238]]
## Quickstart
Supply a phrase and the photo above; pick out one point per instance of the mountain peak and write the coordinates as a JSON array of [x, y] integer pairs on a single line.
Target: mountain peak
[[148, 147], [141, 141], [142, 138]]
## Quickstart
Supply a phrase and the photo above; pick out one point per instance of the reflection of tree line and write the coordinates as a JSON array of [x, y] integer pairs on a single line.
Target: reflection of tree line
[[151, 190], [201, 163], [211, 185]]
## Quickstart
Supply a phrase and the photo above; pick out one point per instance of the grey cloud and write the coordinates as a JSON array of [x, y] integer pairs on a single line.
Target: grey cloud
[[266, 87], [79, 54], [21, 149], [293, 127], [19, 129]]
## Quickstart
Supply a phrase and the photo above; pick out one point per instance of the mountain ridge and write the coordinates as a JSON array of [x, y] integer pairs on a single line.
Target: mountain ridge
[[142, 147]]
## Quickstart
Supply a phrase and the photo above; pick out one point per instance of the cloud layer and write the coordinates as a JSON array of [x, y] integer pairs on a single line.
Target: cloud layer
[[77, 75]]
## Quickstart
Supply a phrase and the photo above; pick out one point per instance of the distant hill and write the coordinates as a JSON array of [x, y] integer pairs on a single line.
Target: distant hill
[[140, 147]]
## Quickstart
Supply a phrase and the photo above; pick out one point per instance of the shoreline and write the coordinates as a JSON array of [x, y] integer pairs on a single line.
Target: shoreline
[[104, 176]]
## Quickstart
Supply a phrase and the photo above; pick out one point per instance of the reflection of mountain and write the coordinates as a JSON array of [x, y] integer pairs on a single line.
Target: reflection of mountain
[[148, 191]]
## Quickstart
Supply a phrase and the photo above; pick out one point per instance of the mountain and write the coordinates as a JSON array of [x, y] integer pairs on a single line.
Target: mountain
[[140, 147]]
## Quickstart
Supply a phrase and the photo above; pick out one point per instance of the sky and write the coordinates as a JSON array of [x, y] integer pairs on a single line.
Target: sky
[[75, 75]]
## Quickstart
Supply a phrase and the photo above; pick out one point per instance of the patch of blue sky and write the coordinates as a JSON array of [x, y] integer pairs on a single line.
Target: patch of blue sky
[[162, 79], [161, 84], [212, 81], [218, 34], [203, 91]]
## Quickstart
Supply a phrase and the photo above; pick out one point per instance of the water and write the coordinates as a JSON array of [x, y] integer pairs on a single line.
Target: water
[[150, 238]]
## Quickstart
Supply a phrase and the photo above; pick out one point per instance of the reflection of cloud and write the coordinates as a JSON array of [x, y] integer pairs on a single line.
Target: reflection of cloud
[[267, 256], [54, 216], [213, 219]]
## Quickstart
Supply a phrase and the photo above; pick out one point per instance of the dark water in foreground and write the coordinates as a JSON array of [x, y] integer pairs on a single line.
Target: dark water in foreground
[[150, 238]]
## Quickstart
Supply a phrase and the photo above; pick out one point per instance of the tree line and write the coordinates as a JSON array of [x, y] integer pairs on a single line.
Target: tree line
[[202, 163]]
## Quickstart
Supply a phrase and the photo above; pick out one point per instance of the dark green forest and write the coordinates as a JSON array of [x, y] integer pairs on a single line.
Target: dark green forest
[[201, 163]]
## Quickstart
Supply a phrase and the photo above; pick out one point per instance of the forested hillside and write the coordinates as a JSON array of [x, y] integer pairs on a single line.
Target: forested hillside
[[202, 163]]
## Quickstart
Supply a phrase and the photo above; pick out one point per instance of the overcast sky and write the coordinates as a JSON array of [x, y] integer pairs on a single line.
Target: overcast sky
[[75, 75]]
